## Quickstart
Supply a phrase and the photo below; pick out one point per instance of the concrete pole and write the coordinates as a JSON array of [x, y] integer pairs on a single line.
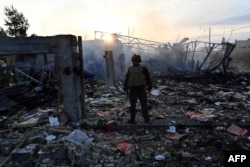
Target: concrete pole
[[82, 77], [122, 64], [110, 68], [70, 80]]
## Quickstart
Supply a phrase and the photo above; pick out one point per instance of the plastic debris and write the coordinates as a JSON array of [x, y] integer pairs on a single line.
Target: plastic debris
[[155, 92], [53, 120], [237, 130], [159, 157], [171, 129], [49, 137], [79, 137]]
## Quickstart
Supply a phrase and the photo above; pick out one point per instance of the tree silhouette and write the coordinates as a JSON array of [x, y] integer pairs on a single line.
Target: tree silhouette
[[2, 32], [17, 25]]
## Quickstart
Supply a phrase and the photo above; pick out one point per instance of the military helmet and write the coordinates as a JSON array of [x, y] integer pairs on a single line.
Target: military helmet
[[136, 58]]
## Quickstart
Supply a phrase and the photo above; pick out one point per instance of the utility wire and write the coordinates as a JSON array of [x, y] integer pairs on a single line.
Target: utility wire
[[241, 27], [236, 30], [238, 14]]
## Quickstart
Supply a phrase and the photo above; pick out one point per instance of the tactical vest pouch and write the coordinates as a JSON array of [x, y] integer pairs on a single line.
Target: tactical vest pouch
[[136, 77]]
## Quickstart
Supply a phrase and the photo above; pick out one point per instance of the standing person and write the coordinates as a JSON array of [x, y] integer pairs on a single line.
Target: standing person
[[138, 82]]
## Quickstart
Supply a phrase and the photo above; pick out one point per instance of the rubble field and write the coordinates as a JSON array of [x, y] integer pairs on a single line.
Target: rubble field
[[195, 119]]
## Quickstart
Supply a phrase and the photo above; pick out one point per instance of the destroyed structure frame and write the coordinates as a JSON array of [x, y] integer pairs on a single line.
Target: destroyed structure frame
[[68, 64]]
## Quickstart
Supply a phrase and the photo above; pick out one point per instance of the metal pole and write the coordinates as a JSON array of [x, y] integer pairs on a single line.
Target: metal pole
[[209, 36], [33, 79]]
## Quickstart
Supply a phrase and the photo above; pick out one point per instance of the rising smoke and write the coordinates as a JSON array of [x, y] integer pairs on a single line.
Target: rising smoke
[[179, 57]]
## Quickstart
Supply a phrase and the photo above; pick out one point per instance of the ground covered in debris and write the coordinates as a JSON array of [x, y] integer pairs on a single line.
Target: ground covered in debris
[[195, 118]]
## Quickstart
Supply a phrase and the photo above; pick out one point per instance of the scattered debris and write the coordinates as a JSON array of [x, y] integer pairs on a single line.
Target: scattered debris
[[237, 130], [194, 119]]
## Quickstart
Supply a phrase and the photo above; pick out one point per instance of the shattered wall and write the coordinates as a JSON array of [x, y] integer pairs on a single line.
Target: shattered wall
[[67, 60]]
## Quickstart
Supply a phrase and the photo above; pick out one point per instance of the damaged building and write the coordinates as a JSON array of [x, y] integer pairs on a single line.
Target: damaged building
[[62, 103]]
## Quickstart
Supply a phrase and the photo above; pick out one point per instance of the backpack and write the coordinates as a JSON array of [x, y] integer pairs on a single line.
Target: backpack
[[136, 77]]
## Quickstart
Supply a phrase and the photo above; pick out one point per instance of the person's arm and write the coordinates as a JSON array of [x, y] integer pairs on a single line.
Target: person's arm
[[125, 86], [148, 79]]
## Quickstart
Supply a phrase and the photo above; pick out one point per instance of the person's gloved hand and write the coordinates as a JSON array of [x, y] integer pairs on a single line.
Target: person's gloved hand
[[149, 89]]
